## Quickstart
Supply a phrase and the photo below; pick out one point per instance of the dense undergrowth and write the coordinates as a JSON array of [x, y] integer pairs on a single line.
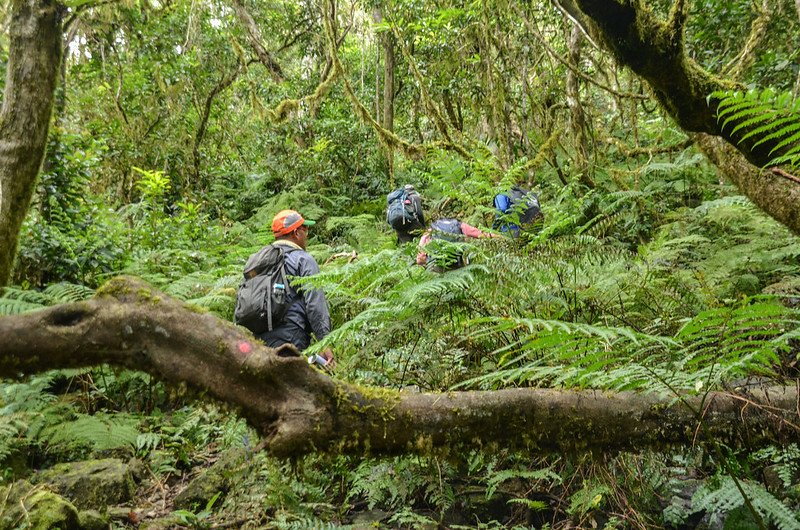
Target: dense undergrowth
[[676, 284]]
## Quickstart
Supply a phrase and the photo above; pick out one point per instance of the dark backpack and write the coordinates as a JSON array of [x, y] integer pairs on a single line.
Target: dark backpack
[[404, 210], [447, 229], [261, 300], [523, 203], [446, 255]]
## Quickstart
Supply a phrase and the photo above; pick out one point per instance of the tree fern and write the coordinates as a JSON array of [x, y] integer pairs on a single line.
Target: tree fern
[[11, 429], [495, 479], [15, 300]]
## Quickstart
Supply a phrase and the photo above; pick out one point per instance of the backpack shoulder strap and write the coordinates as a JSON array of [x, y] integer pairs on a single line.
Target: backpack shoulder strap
[[265, 258]]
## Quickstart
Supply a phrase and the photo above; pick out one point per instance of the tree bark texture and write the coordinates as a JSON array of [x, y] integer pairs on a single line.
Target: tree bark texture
[[34, 56], [771, 193], [654, 50], [297, 408]]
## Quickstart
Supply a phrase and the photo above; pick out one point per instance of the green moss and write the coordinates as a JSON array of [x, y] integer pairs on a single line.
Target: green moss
[[280, 113], [92, 520], [146, 295], [423, 444], [93, 484], [360, 400], [114, 288], [195, 309], [36, 508]]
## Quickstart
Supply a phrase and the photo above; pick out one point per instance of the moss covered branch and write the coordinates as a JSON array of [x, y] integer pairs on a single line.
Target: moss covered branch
[[654, 50], [297, 408]]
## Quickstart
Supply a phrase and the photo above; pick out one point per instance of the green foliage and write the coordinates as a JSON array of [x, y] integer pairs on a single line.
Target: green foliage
[[498, 478], [198, 520], [70, 234], [34, 416], [401, 481], [725, 497], [14, 300], [763, 117], [654, 280], [715, 346], [100, 432]]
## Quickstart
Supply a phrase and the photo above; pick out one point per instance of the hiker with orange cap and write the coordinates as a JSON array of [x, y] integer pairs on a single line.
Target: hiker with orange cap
[[306, 309]]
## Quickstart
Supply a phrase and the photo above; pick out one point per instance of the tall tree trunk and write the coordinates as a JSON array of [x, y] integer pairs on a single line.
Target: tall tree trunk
[[388, 97], [385, 112], [298, 409], [577, 115], [35, 49], [226, 81], [456, 120], [497, 116], [377, 18]]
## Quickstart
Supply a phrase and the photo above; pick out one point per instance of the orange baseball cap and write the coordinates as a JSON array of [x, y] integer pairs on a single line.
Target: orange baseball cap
[[286, 221]]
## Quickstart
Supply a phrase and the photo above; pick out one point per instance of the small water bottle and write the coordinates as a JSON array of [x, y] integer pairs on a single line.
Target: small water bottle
[[278, 292], [318, 360]]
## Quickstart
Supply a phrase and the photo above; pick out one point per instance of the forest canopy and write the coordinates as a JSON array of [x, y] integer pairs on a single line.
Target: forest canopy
[[628, 361]]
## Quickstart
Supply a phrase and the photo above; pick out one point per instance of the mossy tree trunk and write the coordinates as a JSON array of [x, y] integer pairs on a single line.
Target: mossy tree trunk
[[576, 111], [654, 49], [34, 56], [387, 40], [298, 409]]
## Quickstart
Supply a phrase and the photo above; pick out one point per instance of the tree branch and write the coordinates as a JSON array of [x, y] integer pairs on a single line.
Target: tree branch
[[758, 32], [224, 83], [297, 408], [654, 50], [555, 55], [256, 41], [785, 174], [777, 196]]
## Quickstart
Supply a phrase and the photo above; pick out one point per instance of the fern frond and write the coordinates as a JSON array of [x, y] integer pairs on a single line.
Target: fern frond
[[67, 292], [762, 116], [496, 479], [10, 306], [726, 497], [99, 431]]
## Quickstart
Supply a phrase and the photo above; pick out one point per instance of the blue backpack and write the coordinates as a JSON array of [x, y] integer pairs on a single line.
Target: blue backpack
[[446, 229], [516, 207]]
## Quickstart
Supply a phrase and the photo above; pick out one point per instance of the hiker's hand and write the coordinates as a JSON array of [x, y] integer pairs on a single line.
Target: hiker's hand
[[327, 354]]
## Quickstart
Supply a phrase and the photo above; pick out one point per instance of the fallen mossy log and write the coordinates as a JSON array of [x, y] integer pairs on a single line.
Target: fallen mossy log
[[299, 409]]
